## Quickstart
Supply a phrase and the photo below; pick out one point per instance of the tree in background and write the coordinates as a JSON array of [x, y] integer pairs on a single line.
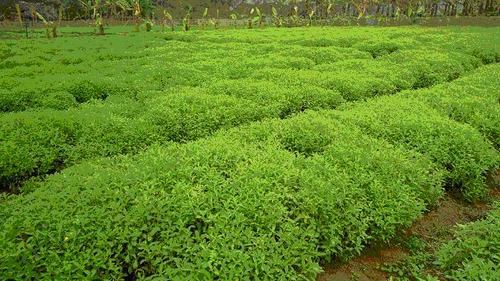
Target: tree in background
[[291, 12]]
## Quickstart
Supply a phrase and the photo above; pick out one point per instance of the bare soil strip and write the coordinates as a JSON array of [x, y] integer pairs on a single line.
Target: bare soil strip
[[433, 228]]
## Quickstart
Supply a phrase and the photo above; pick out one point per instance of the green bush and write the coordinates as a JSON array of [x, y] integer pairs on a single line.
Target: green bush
[[433, 67], [86, 89], [322, 55], [292, 99], [378, 48], [397, 78], [296, 71], [473, 253], [352, 85], [19, 101], [357, 79], [458, 148], [57, 100], [472, 99], [41, 142], [236, 205], [190, 115], [261, 198]]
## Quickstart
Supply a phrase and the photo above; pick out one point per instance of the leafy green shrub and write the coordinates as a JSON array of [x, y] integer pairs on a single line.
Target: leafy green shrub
[[473, 253], [378, 48], [40, 142], [57, 100], [190, 115], [483, 47], [397, 78], [322, 55], [486, 56], [15, 61], [63, 138], [432, 67], [316, 42], [5, 51], [472, 99], [351, 85], [85, 90], [456, 147], [230, 206], [12, 101], [29, 145], [292, 99], [268, 200], [358, 79], [189, 76], [319, 135]]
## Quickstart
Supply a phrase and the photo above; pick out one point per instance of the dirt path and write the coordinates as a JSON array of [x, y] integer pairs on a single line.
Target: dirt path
[[432, 229]]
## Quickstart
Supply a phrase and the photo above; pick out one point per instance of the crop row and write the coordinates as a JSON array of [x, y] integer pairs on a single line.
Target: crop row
[[155, 97], [267, 200], [63, 73], [40, 142], [229, 206], [473, 253]]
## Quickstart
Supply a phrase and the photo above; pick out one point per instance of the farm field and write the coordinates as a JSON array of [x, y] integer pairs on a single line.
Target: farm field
[[243, 154]]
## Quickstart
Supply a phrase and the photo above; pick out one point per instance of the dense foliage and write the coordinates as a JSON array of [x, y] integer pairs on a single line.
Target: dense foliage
[[274, 12], [236, 155], [473, 253], [188, 86]]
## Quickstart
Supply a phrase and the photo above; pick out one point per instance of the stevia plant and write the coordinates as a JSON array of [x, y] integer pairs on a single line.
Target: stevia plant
[[286, 202], [310, 73], [185, 160], [473, 252]]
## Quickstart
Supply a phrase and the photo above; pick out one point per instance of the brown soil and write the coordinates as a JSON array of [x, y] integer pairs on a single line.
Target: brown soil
[[364, 267], [433, 227]]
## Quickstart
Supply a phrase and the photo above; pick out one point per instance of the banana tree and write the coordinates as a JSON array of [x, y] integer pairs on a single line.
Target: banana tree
[[361, 7], [99, 23], [119, 8], [137, 15], [186, 21], [294, 17], [204, 18], [87, 8], [97, 15], [234, 18], [50, 26], [168, 17], [96, 6], [259, 18], [310, 14], [250, 20], [215, 21], [255, 17], [328, 12], [33, 14], [19, 14], [148, 24], [142, 14], [277, 19]]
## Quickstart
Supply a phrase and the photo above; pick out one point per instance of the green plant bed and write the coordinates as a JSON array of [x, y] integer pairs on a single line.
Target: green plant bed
[[473, 253], [251, 202], [457, 147]]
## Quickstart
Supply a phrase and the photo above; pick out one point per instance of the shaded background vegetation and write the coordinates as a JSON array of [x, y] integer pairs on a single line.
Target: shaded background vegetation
[[320, 9]]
